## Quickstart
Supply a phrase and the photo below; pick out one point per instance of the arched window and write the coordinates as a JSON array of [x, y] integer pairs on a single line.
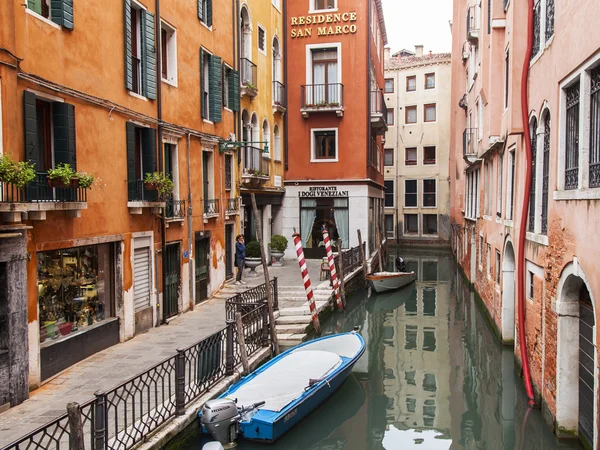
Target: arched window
[[533, 131], [546, 172], [246, 64], [266, 133], [549, 19]]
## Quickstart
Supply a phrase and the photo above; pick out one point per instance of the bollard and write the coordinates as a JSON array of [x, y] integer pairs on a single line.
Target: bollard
[[342, 280], [265, 327], [100, 420], [75, 426], [306, 280], [180, 383], [362, 255], [229, 360], [332, 271]]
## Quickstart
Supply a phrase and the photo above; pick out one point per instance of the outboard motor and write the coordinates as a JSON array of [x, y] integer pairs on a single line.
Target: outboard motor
[[221, 419], [400, 264]]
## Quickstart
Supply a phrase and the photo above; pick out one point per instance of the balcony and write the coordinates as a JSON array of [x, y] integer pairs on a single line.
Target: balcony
[[232, 207], [248, 78], [255, 167], [175, 210], [211, 209], [378, 113], [470, 145], [473, 25], [278, 97], [140, 197], [38, 197], [320, 98]]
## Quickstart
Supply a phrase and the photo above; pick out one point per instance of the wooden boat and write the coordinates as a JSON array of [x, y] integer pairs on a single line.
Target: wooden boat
[[267, 403], [389, 281]]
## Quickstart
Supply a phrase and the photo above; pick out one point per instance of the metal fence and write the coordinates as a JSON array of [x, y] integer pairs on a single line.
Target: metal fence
[[246, 301], [124, 416]]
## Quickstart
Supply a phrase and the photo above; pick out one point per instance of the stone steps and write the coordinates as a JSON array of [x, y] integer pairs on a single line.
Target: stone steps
[[292, 328], [290, 339], [303, 310]]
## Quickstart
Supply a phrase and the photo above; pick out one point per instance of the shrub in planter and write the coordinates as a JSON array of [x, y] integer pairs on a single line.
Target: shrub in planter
[[253, 249], [87, 181], [19, 174], [160, 182], [279, 243]]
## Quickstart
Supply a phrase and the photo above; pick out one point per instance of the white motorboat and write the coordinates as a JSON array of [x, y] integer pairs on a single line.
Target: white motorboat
[[389, 281]]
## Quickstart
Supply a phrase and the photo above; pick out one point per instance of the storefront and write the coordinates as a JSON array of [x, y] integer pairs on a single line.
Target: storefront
[[76, 301], [319, 212]]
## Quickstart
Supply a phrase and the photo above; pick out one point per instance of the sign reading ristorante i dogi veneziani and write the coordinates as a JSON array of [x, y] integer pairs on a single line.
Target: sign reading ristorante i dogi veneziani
[[326, 24], [323, 191]]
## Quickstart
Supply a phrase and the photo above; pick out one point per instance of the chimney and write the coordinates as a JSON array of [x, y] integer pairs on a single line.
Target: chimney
[[386, 52], [418, 50]]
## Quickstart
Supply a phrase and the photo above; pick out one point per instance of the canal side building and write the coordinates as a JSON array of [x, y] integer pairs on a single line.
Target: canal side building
[[336, 121], [417, 146], [82, 269], [488, 168]]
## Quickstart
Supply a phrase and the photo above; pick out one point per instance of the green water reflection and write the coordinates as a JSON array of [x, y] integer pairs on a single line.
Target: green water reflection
[[433, 376]]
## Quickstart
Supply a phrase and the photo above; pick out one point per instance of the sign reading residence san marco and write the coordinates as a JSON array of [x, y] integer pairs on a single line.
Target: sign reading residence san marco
[[323, 191], [326, 24]]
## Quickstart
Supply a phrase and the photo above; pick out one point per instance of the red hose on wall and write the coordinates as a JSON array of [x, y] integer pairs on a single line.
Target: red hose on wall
[[524, 209]]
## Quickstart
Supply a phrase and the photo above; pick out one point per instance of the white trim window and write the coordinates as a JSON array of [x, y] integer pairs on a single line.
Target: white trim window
[[411, 195], [430, 224], [324, 74], [429, 193], [472, 195], [411, 224], [276, 4], [324, 145], [168, 48], [322, 5], [389, 193]]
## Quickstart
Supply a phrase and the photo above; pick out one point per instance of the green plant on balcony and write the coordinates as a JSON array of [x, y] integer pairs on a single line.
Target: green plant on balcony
[[18, 173], [160, 182], [249, 85], [89, 181], [279, 243], [63, 175]]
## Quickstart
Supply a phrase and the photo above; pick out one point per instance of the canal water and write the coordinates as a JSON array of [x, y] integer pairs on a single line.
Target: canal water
[[433, 376]]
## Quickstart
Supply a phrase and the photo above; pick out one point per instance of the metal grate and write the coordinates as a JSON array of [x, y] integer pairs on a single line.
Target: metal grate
[[546, 174], [549, 19], [572, 142], [531, 219], [537, 12], [595, 128]]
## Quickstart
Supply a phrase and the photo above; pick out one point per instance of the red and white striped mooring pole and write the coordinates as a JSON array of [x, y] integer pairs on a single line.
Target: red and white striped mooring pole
[[333, 273], [306, 280]]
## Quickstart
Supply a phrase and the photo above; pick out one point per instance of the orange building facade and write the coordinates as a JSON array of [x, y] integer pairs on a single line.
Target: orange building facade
[[336, 119]]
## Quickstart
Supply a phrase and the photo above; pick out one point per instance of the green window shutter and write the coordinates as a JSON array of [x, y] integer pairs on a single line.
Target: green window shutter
[[200, 10], [209, 13], [148, 150], [148, 55], [234, 90], [61, 13], [30, 128], [35, 5], [202, 81], [130, 137], [63, 122], [128, 47], [215, 89]]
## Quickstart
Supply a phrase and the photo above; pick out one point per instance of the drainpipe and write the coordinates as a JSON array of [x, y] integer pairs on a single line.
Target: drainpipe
[[285, 82], [189, 219], [524, 208]]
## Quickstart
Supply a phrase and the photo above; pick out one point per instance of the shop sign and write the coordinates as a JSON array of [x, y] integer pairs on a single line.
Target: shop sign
[[326, 24], [323, 191]]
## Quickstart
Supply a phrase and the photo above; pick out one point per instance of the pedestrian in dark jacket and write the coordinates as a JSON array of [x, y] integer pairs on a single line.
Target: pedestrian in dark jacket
[[240, 258]]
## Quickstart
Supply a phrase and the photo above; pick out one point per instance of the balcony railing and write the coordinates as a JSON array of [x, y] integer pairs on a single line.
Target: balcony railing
[[470, 142], [248, 75], [323, 97], [39, 191], [138, 192], [279, 94], [175, 209], [253, 162], [472, 24], [378, 106], [211, 207], [233, 206]]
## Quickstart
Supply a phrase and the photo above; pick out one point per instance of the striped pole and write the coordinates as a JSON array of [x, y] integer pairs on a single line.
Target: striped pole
[[306, 280], [333, 273]]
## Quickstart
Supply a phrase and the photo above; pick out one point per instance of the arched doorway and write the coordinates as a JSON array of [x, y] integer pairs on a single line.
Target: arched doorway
[[508, 293], [576, 356]]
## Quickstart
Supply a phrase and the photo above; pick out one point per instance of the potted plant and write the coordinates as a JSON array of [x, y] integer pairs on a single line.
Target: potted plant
[[20, 174], [63, 176], [278, 245], [87, 181], [253, 258], [158, 181]]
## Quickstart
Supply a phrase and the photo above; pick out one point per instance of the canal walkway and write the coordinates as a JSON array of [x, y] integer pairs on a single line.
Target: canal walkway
[[110, 367]]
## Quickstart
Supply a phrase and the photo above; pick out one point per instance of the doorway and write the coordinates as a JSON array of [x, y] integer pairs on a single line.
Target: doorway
[[508, 293], [316, 212], [228, 251], [586, 367], [201, 273], [172, 280]]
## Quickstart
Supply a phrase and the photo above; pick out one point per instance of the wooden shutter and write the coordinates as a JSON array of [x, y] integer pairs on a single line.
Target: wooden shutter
[[130, 138], [128, 47], [148, 150], [200, 10], [234, 90], [202, 81], [215, 89], [63, 124], [148, 55], [209, 13], [30, 128], [141, 278], [61, 13]]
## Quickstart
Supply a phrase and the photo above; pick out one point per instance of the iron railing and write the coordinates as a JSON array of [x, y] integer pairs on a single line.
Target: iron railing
[[175, 209], [595, 128], [253, 162], [124, 416], [278, 94], [470, 142], [40, 191], [211, 206], [546, 174], [378, 106], [137, 191], [248, 73], [316, 96], [246, 301], [572, 138], [233, 205]]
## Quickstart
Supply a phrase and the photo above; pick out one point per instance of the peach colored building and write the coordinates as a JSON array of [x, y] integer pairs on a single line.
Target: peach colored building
[[488, 170]]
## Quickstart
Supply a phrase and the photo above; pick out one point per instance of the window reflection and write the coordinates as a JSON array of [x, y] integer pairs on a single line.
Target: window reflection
[[428, 412], [412, 266], [411, 404], [430, 270], [429, 340], [429, 301], [409, 378], [410, 337], [410, 305], [429, 382]]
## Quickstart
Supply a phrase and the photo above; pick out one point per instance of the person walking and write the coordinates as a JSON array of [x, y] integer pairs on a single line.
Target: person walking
[[240, 258]]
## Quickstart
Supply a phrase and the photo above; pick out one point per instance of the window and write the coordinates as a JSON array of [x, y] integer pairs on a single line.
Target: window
[[389, 193], [530, 279], [429, 80], [276, 3], [168, 48], [228, 172], [430, 271], [59, 12], [489, 260], [430, 225], [411, 223], [324, 145], [410, 156], [410, 378], [410, 305], [41, 7], [546, 173], [429, 191], [499, 193], [594, 128], [411, 404], [498, 266], [429, 382], [231, 88], [430, 113], [262, 39], [141, 159], [266, 138], [511, 186], [140, 52], [429, 342], [410, 193], [572, 137], [429, 295], [318, 5], [411, 114], [325, 89], [389, 225], [389, 86], [411, 83], [4, 308], [205, 12], [388, 159], [211, 78], [531, 215], [429, 155], [549, 19], [276, 143], [472, 195], [390, 116], [172, 170], [410, 337], [506, 78]]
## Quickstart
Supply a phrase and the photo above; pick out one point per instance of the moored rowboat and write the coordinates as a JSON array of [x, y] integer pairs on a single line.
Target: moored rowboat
[[388, 281]]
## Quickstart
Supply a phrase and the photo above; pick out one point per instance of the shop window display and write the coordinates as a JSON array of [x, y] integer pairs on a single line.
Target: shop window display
[[74, 290]]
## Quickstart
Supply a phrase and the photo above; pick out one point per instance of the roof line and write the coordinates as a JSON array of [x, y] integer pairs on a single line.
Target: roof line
[[381, 21]]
